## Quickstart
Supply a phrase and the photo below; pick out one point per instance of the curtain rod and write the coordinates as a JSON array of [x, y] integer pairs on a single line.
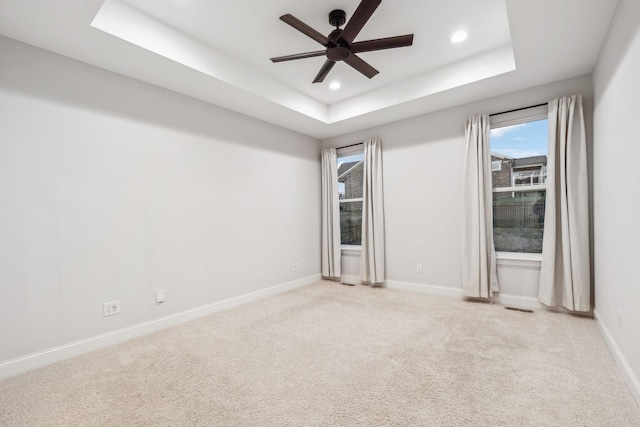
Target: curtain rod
[[518, 109], [347, 146]]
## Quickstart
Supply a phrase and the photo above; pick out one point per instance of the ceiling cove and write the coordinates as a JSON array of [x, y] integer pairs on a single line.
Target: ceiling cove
[[206, 55]]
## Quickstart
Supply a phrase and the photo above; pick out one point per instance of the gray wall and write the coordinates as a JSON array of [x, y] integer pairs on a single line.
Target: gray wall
[[616, 193], [111, 189], [422, 163]]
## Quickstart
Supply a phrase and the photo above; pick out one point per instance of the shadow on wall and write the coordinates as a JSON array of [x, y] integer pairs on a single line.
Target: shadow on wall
[[42, 74], [616, 50]]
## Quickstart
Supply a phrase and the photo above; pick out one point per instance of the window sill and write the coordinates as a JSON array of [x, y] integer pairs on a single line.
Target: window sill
[[350, 250], [518, 259]]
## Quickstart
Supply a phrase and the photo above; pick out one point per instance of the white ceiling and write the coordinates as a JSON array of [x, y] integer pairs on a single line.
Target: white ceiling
[[218, 51]]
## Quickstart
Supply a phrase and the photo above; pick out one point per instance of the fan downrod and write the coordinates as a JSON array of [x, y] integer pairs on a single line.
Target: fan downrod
[[337, 18]]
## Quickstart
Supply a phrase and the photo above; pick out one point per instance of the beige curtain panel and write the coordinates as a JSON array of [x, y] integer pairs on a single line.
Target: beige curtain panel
[[372, 257], [479, 271], [565, 270], [330, 216]]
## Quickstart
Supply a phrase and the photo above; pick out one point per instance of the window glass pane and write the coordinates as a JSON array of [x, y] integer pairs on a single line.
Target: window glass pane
[[518, 216], [350, 174], [341, 193], [522, 152], [518, 221], [351, 223]]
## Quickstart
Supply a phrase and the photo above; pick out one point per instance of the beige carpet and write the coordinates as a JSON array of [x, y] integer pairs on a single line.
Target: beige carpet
[[329, 354]]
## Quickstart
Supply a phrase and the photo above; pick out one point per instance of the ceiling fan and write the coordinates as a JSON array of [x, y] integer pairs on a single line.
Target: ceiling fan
[[339, 44]]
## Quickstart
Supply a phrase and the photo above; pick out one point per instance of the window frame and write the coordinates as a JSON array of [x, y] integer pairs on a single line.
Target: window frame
[[512, 118], [346, 152]]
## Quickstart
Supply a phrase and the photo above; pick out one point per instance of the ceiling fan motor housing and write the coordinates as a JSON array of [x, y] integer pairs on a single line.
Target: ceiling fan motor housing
[[338, 53], [338, 50]]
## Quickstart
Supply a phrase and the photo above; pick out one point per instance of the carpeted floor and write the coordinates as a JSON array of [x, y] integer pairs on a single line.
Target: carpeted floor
[[328, 354]]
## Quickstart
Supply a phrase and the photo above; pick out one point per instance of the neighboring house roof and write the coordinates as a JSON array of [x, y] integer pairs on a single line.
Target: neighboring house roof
[[500, 156], [528, 161], [346, 168]]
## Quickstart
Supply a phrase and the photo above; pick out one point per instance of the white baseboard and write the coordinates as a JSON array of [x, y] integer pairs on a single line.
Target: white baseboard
[[55, 354], [510, 300], [428, 289], [627, 372]]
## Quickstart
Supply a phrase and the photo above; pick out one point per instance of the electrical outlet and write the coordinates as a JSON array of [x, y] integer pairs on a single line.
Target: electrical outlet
[[419, 268], [160, 296], [620, 320], [111, 308], [296, 266]]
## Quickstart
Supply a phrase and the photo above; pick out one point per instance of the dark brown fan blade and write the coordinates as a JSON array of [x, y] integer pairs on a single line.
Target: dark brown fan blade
[[360, 65], [305, 29], [328, 65], [379, 44], [359, 18], [299, 56]]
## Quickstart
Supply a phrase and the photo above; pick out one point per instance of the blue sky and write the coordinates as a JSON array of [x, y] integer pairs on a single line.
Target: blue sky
[[523, 140], [354, 158]]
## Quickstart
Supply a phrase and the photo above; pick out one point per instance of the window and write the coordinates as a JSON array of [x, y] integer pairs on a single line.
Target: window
[[519, 193], [496, 165], [350, 177]]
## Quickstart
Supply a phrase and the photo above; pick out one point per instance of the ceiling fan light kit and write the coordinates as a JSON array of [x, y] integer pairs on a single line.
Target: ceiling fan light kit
[[339, 45]]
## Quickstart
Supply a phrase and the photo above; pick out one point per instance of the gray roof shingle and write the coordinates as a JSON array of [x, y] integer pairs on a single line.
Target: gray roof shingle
[[533, 160]]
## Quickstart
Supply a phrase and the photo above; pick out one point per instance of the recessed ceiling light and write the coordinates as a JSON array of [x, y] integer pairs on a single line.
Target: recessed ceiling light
[[459, 36], [334, 85]]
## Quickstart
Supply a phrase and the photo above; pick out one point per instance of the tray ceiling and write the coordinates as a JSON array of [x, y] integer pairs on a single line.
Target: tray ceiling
[[218, 52]]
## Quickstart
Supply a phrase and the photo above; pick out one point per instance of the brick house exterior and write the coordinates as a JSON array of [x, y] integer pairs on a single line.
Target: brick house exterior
[[501, 170], [351, 174]]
